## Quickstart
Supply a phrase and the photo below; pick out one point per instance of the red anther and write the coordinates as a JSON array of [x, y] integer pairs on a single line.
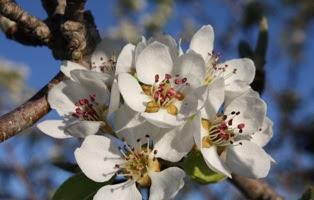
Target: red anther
[[92, 97], [241, 126], [184, 80], [167, 76], [179, 96], [230, 122], [171, 92], [156, 78], [75, 115], [223, 126], [83, 102], [78, 111], [178, 81], [157, 95]]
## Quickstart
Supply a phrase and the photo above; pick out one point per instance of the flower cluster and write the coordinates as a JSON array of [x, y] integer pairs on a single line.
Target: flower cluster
[[144, 112]]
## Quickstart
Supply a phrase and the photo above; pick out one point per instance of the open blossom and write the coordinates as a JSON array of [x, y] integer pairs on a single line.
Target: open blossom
[[135, 161], [232, 142], [238, 74], [164, 88], [83, 102]]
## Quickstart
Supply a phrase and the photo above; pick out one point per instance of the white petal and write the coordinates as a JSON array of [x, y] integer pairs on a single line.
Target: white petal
[[125, 61], [126, 118], [168, 41], [97, 157], [154, 59], [235, 89], [104, 50], [245, 70], [177, 142], [140, 131], [213, 160], [214, 100], [114, 98], [203, 41], [252, 111], [59, 100], [199, 132], [173, 144], [192, 67], [262, 137], [180, 48], [132, 92], [140, 47], [162, 119], [122, 191], [83, 128], [53, 128], [193, 102], [166, 184], [68, 66], [248, 160], [95, 83]]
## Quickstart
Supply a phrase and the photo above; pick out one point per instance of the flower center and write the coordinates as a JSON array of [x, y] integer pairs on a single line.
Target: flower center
[[90, 110], [213, 70], [138, 163], [165, 93], [221, 131]]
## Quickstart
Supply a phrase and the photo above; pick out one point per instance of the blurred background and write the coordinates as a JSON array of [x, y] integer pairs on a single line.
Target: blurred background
[[30, 162]]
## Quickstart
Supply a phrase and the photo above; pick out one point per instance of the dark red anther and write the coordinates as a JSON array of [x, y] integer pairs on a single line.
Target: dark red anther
[[78, 111], [75, 115], [178, 81], [156, 78], [241, 126], [83, 102], [184, 80], [171, 92], [230, 122], [92, 97], [167, 76], [179, 96]]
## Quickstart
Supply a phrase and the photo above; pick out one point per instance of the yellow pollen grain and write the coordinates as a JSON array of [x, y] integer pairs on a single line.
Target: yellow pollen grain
[[206, 124], [172, 109], [147, 89], [206, 143], [152, 107]]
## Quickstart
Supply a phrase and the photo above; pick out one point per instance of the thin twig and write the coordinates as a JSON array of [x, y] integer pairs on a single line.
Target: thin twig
[[34, 25], [254, 189], [28, 113]]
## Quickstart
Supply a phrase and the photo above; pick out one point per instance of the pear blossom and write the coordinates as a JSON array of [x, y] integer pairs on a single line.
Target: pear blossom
[[83, 102], [238, 74], [135, 161], [232, 142], [165, 89]]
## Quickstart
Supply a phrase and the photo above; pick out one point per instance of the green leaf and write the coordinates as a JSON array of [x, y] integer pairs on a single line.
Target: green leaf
[[308, 194], [195, 166], [78, 187]]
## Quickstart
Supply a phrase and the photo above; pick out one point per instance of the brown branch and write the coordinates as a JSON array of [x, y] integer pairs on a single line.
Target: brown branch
[[34, 25], [254, 189], [75, 10], [28, 113], [21, 35], [54, 7]]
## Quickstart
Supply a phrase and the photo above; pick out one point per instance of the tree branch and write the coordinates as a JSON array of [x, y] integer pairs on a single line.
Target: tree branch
[[75, 10], [28, 113], [34, 25], [254, 189]]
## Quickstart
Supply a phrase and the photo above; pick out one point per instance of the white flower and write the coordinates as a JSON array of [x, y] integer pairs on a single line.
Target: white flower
[[238, 74], [83, 102], [232, 142], [167, 89], [100, 159]]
